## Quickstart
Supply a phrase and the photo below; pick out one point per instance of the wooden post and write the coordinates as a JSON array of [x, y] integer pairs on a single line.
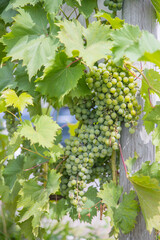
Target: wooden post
[[138, 12]]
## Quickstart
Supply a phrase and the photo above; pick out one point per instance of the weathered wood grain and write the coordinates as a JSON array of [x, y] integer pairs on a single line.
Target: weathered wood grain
[[141, 13]]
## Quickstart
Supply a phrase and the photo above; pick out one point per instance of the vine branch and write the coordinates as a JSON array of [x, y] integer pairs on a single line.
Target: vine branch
[[121, 153]]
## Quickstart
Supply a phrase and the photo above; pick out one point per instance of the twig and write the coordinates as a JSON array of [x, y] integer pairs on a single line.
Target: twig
[[120, 148], [35, 152], [25, 170], [93, 205], [73, 62], [64, 14], [13, 115], [60, 163], [145, 78]]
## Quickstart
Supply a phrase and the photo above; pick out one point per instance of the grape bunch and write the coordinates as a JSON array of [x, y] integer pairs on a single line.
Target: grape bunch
[[113, 5], [11, 121], [111, 102]]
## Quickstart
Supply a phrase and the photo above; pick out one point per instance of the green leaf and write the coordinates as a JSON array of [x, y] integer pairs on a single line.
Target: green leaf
[[154, 114], [44, 132], [126, 213], [131, 161], [22, 81], [89, 207], [22, 3], [6, 76], [8, 13], [3, 5], [152, 57], [96, 37], [59, 209], [3, 107], [54, 153], [52, 6], [81, 90], [148, 191], [87, 7], [20, 102], [11, 171], [153, 78], [58, 79], [130, 42], [14, 144], [156, 136], [110, 196], [116, 22], [156, 5], [29, 39], [35, 199]]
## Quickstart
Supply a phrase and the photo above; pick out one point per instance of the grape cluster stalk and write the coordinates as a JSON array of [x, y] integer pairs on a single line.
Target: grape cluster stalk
[[111, 102]]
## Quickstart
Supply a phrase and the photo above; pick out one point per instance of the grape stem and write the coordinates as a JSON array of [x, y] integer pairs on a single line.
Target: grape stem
[[35, 152], [60, 163], [145, 78], [25, 170], [73, 62], [64, 14], [113, 165], [13, 115], [121, 153]]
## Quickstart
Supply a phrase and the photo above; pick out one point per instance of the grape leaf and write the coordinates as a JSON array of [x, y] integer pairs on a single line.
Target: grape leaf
[[116, 22], [148, 191], [156, 4], [52, 6], [20, 102], [81, 89], [58, 78], [154, 114], [3, 5], [44, 132], [152, 57], [6, 76], [96, 38], [153, 78], [59, 209], [89, 207], [13, 168], [22, 81], [35, 199], [8, 13], [126, 212], [20, 3], [131, 161], [87, 7], [148, 169], [3, 107], [156, 136], [110, 196], [29, 39], [13, 145], [130, 42]]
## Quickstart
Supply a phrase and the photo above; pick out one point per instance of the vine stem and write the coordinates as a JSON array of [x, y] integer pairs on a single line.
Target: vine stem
[[4, 223], [73, 62], [64, 14], [60, 163], [113, 165], [35, 152], [87, 22], [25, 170], [121, 153], [145, 78], [13, 115]]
